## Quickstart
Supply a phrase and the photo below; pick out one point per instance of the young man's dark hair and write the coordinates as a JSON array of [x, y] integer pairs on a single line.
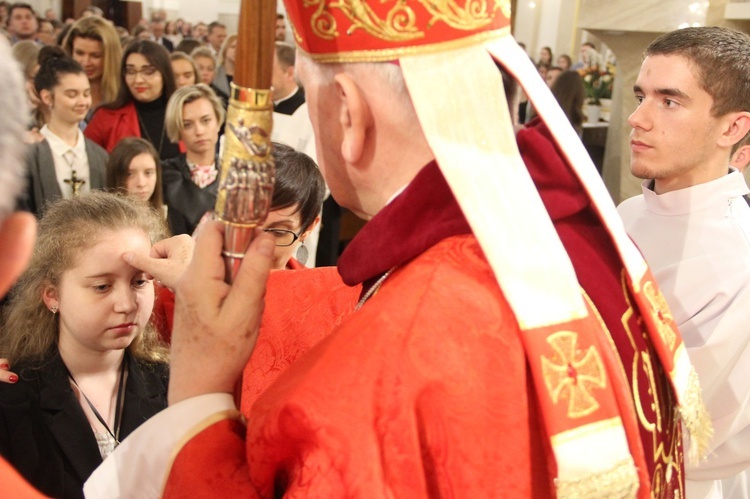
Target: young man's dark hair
[[721, 59]]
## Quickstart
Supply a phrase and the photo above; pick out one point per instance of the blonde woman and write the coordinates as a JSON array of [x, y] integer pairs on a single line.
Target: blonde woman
[[191, 180], [94, 43]]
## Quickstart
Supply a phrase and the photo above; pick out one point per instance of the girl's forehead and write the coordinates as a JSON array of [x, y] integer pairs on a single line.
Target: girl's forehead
[[109, 246]]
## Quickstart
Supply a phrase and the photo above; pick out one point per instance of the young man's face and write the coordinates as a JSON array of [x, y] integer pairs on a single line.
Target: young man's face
[[674, 136], [22, 24]]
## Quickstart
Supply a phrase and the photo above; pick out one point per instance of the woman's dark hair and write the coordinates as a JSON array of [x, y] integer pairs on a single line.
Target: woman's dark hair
[[298, 182], [53, 63], [158, 57], [118, 166], [570, 94]]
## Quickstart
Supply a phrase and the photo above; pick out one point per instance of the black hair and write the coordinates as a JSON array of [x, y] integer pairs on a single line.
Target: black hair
[[158, 57], [53, 63], [20, 5], [298, 182]]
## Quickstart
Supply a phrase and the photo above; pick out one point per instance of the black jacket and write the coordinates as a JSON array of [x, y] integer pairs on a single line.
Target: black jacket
[[45, 434], [186, 202]]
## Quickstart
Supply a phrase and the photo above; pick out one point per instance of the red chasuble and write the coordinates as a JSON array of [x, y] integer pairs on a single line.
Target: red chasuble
[[425, 390]]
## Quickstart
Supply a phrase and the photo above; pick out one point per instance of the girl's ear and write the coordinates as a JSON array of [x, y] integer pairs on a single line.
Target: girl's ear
[[46, 98], [50, 297]]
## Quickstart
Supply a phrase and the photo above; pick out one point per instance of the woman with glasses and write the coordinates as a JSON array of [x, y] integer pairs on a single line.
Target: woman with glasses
[[146, 84]]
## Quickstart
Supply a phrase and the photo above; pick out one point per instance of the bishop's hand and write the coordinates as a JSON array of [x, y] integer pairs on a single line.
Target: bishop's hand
[[215, 324]]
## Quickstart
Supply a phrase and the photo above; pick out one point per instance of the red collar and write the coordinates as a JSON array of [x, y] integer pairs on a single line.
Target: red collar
[[421, 216]]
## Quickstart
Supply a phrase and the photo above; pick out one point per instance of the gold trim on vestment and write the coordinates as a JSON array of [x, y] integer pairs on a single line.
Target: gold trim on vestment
[[621, 481], [384, 55]]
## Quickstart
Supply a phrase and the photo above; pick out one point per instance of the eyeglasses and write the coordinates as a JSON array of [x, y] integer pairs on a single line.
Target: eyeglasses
[[145, 71], [283, 237]]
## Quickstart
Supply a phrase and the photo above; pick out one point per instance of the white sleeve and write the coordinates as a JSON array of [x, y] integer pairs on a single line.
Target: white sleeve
[[138, 466], [721, 356]]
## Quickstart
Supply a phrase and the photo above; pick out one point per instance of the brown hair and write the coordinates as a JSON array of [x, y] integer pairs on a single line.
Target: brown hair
[[69, 227], [570, 93], [118, 166], [721, 61]]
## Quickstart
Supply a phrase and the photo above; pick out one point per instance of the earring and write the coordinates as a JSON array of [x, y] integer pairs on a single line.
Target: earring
[[53, 310], [302, 253]]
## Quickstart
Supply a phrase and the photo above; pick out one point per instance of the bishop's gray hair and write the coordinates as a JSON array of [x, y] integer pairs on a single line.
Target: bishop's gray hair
[[13, 119]]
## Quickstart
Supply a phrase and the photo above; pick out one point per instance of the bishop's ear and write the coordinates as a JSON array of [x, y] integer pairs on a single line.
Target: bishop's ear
[[355, 117]]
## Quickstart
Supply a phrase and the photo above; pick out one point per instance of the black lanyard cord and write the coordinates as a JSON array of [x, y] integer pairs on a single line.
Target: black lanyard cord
[[118, 405]]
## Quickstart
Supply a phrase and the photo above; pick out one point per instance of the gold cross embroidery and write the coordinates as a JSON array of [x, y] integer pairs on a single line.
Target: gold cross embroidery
[[571, 374], [661, 314]]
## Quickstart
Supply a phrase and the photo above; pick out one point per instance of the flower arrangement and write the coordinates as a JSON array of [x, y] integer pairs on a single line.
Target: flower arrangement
[[598, 83]]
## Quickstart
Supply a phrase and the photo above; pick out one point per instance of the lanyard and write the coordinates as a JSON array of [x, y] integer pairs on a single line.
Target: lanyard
[[118, 405]]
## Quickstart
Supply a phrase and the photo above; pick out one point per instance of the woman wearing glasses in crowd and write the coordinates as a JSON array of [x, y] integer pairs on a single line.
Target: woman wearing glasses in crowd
[[147, 83], [95, 45]]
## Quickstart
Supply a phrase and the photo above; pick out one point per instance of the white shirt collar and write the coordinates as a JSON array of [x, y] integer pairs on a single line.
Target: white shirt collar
[[696, 197], [58, 145]]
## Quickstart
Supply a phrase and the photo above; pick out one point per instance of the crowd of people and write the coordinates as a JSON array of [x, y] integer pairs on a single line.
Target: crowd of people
[[458, 349], [98, 87]]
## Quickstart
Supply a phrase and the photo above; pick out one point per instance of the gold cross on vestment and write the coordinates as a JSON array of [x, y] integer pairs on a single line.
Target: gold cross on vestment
[[573, 373], [75, 183]]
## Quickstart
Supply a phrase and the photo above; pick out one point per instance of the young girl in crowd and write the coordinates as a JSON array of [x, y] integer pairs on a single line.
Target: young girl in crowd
[[146, 84], [76, 330], [133, 168], [64, 164], [93, 42], [184, 69], [206, 64]]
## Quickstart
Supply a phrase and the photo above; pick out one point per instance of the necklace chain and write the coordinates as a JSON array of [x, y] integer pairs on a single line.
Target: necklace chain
[[374, 288], [148, 135]]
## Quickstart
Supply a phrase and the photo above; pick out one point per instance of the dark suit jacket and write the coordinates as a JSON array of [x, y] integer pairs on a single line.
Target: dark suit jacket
[[42, 179], [186, 202], [166, 43], [44, 433]]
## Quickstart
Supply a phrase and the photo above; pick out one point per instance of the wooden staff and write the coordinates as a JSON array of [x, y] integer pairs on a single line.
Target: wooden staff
[[247, 170]]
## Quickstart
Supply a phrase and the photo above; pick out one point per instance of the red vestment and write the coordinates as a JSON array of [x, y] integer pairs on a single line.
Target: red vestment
[[425, 390]]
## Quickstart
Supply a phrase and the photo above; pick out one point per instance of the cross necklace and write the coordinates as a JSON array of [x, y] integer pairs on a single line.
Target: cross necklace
[[74, 182]]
